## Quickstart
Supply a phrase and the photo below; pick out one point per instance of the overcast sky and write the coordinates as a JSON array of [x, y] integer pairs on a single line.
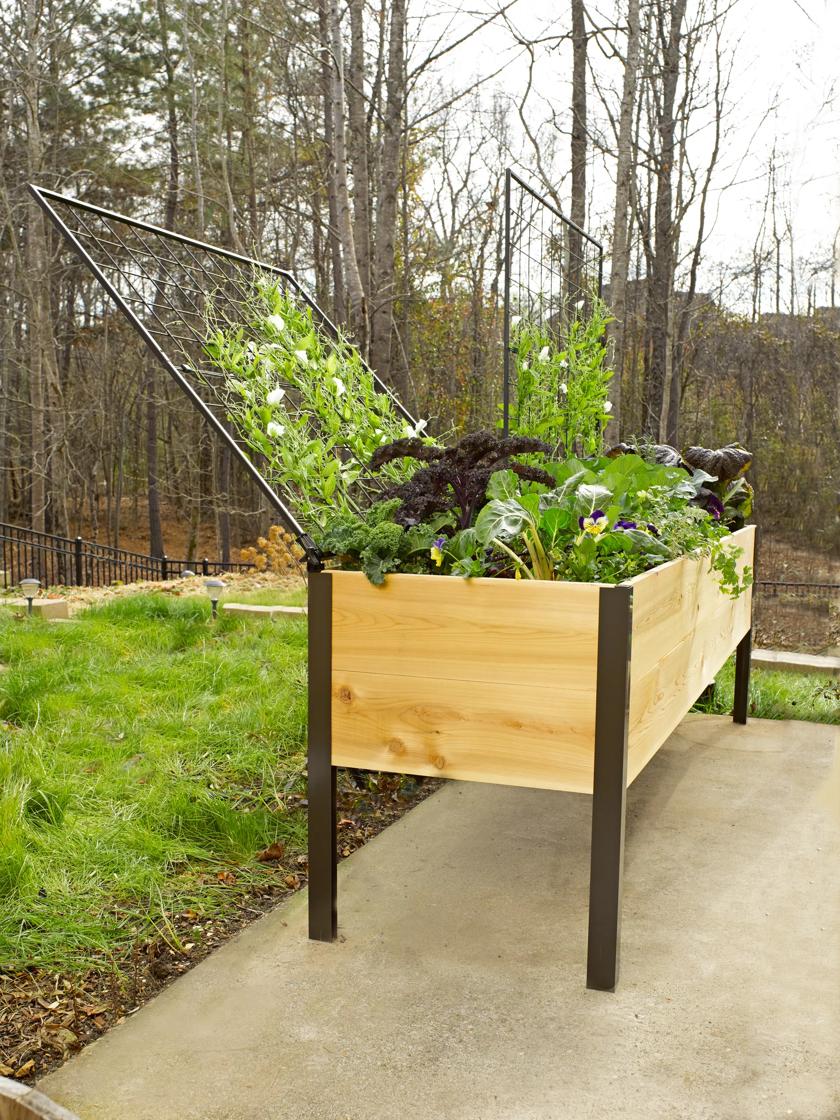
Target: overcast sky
[[784, 92]]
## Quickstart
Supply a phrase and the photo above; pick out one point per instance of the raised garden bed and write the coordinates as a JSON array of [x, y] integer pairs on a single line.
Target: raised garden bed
[[554, 685]]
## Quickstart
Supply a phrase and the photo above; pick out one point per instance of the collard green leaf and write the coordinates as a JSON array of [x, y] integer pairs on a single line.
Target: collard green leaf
[[592, 496], [502, 519], [503, 484]]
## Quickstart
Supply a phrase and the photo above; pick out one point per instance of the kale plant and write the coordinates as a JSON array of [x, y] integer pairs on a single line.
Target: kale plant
[[454, 480]]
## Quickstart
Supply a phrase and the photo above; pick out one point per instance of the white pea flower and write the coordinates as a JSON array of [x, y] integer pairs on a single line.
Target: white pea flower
[[415, 431], [563, 363], [607, 406], [275, 396], [301, 356], [564, 388], [276, 322], [544, 354], [524, 366], [578, 304], [515, 319], [339, 387], [275, 430]]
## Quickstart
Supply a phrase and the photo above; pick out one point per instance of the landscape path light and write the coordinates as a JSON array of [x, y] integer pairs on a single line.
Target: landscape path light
[[214, 588], [29, 587]]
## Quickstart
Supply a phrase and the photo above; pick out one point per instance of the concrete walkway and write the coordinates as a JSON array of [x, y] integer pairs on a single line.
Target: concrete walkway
[[457, 989]]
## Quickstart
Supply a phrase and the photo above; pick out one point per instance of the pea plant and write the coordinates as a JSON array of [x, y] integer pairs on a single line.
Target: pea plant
[[306, 404], [562, 383]]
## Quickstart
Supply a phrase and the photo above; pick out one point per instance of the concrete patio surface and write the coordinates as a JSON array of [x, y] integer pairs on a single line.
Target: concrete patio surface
[[457, 988]]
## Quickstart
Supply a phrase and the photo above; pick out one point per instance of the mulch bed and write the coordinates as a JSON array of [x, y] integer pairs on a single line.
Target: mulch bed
[[46, 1017]]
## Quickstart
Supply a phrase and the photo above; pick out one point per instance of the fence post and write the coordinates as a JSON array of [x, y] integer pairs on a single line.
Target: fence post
[[205, 567], [164, 567], [79, 567]]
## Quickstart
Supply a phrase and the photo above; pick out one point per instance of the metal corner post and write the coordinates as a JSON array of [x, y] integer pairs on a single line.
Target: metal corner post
[[323, 859], [743, 658], [609, 790]]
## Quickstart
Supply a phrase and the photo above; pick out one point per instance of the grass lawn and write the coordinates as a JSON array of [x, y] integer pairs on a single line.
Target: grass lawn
[[146, 757], [774, 695]]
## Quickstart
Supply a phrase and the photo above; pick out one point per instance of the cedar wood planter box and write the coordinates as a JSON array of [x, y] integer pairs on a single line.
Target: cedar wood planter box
[[567, 686]]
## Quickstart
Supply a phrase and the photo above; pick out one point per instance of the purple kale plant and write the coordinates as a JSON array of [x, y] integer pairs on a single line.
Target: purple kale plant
[[455, 478]]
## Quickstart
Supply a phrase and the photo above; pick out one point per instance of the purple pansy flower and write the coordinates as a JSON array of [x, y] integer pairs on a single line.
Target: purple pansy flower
[[654, 532], [622, 523], [436, 550], [595, 523]]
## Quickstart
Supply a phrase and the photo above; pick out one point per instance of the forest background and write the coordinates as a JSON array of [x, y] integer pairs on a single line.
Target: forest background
[[363, 145]]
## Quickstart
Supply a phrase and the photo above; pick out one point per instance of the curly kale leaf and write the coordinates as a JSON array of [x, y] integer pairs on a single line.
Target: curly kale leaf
[[456, 479], [380, 554]]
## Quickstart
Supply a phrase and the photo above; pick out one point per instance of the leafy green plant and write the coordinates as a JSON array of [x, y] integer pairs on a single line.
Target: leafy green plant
[[306, 404], [474, 511], [561, 384], [724, 493], [376, 544]]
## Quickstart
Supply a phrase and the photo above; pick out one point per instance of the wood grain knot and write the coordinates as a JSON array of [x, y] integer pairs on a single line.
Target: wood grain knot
[[345, 695], [396, 746], [439, 761]]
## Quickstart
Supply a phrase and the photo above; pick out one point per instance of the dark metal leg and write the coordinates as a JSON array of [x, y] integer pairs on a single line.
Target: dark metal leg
[[323, 861], [743, 654], [610, 787]]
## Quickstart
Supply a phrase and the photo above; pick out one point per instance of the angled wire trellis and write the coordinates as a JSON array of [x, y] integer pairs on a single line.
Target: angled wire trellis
[[169, 286], [552, 269]]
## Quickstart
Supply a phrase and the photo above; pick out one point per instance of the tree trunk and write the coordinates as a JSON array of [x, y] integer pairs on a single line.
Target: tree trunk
[[384, 269], [578, 199], [621, 222], [339, 287], [661, 279], [156, 545], [355, 290], [47, 423], [359, 142]]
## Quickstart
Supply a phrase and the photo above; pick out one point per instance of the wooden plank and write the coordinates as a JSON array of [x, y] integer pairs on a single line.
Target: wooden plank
[[22, 1102], [496, 631], [787, 662], [684, 628], [668, 601], [511, 734], [258, 611]]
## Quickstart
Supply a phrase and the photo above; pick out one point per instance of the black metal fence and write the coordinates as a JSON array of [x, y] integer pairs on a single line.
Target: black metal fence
[[74, 562], [775, 588]]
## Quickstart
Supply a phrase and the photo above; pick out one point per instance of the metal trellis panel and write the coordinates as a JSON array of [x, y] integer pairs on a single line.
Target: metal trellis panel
[[164, 283], [550, 264]]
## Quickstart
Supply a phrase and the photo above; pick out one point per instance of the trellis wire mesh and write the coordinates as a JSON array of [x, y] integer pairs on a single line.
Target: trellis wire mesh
[[170, 287], [552, 268]]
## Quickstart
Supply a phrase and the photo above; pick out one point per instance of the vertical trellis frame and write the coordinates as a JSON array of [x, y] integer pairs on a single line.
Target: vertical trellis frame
[[550, 265], [165, 283]]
